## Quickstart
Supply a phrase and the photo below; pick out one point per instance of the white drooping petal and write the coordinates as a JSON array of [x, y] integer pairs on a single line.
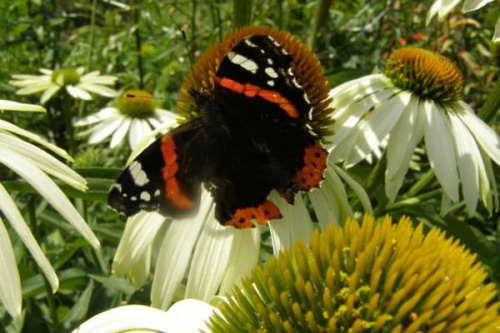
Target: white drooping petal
[[295, 224], [133, 255], [485, 135], [471, 5], [78, 93], [9, 208], [135, 133], [360, 192], [372, 130], [496, 34], [16, 106], [468, 160], [10, 282], [43, 160], [186, 316], [6, 126], [402, 142], [347, 117], [446, 7], [210, 260], [31, 89], [441, 149], [175, 253], [432, 11], [103, 114], [243, 259], [47, 94], [98, 89], [326, 199], [49, 190], [105, 129], [120, 133]]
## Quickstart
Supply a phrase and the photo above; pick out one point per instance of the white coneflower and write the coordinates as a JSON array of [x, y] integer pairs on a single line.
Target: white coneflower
[[73, 80], [418, 96], [33, 165], [135, 114]]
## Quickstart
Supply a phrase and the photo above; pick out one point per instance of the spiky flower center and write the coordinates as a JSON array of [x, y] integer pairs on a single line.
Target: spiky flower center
[[371, 278], [425, 73], [65, 76], [135, 103]]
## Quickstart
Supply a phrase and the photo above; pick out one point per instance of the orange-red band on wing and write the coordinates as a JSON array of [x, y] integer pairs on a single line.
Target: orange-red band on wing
[[311, 173], [242, 217], [251, 91], [173, 190]]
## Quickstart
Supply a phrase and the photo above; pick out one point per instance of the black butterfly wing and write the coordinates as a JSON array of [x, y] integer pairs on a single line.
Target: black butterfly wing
[[166, 176]]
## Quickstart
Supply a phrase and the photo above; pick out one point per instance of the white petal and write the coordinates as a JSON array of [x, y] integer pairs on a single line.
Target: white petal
[[325, 200], [98, 117], [468, 160], [360, 192], [446, 7], [78, 93], [15, 106], [105, 129], [187, 316], [138, 130], [484, 135], [47, 72], [98, 89], [471, 5], [210, 260], [43, 160], [295, 225], [120, 133], [100, 80], [432, 11], [49, 190], [133, 255], [8, 207], [175, 253], [243, 259], [4, 125], [407, 133], [377, 126], [10, 283], [496, 34], [350, 112], [36, 88], [47, 95], [440, 149]]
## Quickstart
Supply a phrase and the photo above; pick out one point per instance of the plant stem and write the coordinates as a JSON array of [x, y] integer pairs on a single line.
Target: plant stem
[[492, 103], [318, 20], [242, 12], [410, 201], [138, 46], [376, 175], [420, 184], [36, 233]]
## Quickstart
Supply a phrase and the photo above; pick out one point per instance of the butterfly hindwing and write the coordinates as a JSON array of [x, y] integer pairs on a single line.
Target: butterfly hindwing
[[166, 176]]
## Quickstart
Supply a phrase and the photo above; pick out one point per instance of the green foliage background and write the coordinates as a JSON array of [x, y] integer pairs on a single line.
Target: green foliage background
[[140, 41]]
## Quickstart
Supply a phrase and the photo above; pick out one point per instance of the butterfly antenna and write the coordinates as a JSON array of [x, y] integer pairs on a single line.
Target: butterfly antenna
[[188, 49]]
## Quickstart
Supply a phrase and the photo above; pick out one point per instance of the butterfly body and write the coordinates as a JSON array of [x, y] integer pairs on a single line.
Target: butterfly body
[[252, 136]]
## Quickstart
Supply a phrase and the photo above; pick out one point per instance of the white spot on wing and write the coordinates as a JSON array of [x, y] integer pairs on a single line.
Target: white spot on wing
[[117, 186], [145, 196], [138, 175], [271, 72], [250, 43], [157, 193], [270, 83], [134, 198], [270, 61], [243, 61]]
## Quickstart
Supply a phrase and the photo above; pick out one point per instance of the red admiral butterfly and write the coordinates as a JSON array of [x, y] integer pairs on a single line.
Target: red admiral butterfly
[[256, 127]]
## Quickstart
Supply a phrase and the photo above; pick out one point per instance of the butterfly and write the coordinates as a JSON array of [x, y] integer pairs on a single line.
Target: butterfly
[[256, 131]]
